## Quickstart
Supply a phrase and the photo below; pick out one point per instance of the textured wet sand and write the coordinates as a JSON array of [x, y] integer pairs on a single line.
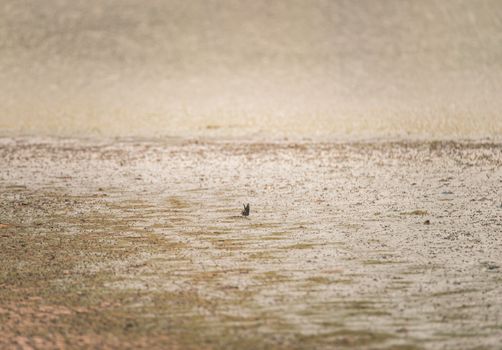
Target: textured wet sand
[[141, 244]]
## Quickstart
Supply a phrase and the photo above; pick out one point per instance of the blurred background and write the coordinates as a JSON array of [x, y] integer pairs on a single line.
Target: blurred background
[[251, 69]]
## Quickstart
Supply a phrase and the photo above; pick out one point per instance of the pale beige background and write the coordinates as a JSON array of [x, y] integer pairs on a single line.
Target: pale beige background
[[260, 69]]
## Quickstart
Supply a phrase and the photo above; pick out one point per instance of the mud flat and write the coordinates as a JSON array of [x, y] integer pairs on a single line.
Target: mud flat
[[354, 245]]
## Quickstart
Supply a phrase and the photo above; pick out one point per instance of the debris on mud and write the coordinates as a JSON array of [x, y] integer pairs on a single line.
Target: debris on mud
[[163, 262]]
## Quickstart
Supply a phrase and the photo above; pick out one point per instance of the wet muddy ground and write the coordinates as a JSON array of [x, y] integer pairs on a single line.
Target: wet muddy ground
[[140, 243]]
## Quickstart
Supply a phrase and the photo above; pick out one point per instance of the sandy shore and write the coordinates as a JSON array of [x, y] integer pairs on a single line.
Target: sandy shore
[[134, 243]]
